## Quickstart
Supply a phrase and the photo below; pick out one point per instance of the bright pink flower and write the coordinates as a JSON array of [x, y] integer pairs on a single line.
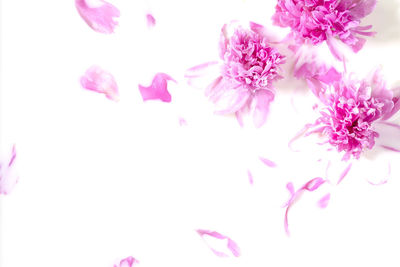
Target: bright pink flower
[[158, 88], [351, 108], [316, 21], [98, 14], [231, 245], [8, 176], [98, 80], [127, 262], [249, 68]]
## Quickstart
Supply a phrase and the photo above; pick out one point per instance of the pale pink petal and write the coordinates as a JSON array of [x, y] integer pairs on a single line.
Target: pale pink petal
[[390, 148], [231, 245], [98, 80], [268, 162], [158, 88], [182, 121], [151, 21], [344, 173], [362, 8], [250, 175], [98, 14], [8, 176], [310, 186], [261, 100], [127, 262], [334, 48], [324, 201]]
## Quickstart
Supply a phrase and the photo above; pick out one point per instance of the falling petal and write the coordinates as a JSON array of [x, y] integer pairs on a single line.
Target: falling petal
[[98, 80], [8, 176], [262, 100], [99, 15], [268, 162], [127, 262], [310, 186], [231, 245], [250, 175], [324, 201], [158, 88], [151, 21], [344, 173]]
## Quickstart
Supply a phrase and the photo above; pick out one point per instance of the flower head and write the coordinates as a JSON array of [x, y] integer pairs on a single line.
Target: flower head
[[351, 108], [98, 14], [316, 21]]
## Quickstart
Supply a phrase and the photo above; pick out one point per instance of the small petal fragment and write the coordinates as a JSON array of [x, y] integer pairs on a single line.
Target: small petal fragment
[[324, 201], [231, 245], [99, 15], [8, 176], [268, 162], [151, 21], [98, 80], [127, 262], [250, 175], [158, 88]]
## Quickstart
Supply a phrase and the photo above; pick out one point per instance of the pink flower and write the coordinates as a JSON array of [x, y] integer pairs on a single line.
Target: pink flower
[[158, 88], [351, 108], [98, 14], [249, 68], [127, 262], [8, 177], [98, 80], [316, 21]]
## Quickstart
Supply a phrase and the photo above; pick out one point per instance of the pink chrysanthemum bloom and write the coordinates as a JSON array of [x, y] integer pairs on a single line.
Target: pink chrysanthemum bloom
[[98, 14], [351, 108], [249, 68], [316, 21]]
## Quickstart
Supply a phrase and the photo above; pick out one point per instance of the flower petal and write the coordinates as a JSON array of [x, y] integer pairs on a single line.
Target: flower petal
[[8, 176], [151, 21], [98, 80], [157, 89], [268, 162], [344, 174], [324, 201], [100, 17], [362, 8], [127, 262], [250, 175], [261, 100], [231, 245]]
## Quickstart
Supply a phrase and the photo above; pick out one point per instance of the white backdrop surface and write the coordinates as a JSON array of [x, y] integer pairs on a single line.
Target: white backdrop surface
[[100, 181]]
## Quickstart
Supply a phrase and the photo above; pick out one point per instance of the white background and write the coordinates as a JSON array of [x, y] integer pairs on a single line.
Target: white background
[[100, 181]]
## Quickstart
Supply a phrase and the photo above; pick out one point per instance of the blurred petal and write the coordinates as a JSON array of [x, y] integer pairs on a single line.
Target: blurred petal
[[324, 201], [344, 173], [98, 80], [158, 88], [8, 176], [268, 162], [261, 100], [363, 8], [151, 21], [231, 245], [99, 15], [127, 262], [250, 175]]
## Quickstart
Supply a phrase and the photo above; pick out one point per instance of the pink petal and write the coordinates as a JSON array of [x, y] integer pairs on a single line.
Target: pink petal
[[100, 16], [157, 89], [268, 162], [363, 8], [385, 180], [334, 48], [250, 175], [310, 186], [98, 80], [151, 21], [262, 100], [232, 246], [182, 121], [344, 173], [391, 148], [8, 176], [127, 262], [324, 201]]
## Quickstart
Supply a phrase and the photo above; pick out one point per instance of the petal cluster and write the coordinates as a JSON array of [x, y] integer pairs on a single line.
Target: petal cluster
[[316, 21]]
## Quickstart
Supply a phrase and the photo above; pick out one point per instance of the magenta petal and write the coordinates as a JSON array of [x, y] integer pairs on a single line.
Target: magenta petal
[[151, 21], [362, 8], [232, 246], [101, 17], [261, 100], [127, 262], [268, 162], [157, 89], [8, 176], [250, 175], [344, 173], [98, 80]]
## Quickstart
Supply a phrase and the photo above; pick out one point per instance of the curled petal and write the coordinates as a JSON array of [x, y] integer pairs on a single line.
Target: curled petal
[[151, 21], [231, 245], [158, 88], [127, 262], [98, 80], [8, 176], [100, 16]]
